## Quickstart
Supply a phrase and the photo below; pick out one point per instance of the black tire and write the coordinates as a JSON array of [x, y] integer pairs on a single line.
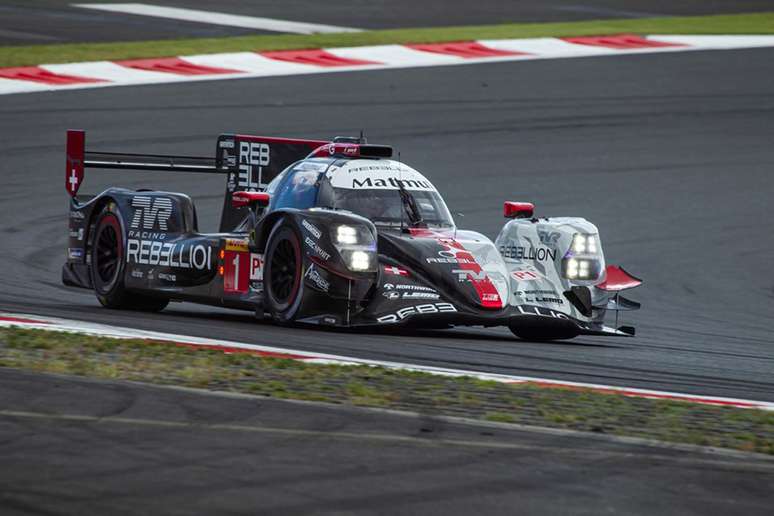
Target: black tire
[[283, 283], [108, 264]]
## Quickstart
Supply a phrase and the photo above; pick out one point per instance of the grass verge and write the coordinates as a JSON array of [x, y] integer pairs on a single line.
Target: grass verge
[[137, 360], [754, 23]]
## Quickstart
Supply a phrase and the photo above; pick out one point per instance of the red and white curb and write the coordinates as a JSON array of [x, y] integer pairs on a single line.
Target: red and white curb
[[55, 77], [88, 328]]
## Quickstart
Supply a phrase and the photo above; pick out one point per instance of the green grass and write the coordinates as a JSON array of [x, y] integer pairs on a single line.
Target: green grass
[[167, 364], [757, 23]]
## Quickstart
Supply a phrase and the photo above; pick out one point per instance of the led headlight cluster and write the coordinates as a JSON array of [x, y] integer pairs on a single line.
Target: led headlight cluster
[[356, 246], [582, 261], [584, 244]]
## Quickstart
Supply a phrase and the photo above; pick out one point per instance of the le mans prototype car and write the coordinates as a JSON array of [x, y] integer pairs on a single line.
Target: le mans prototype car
[[333, 233]]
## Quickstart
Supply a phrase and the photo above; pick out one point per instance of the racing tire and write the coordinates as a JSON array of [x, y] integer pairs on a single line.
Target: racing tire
[[108, 264], [283, 269]]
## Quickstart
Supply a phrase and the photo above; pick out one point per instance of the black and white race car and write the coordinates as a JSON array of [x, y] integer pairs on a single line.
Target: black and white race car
[[333, 233]]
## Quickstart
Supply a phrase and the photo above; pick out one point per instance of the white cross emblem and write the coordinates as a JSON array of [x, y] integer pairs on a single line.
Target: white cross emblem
[[396, 271], [73, 180]]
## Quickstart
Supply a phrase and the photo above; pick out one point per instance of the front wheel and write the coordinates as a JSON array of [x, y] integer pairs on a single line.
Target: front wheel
[[108, 264], [282, 274]]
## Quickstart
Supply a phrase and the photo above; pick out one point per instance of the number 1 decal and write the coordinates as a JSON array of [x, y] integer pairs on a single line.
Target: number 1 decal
[[236, 265]]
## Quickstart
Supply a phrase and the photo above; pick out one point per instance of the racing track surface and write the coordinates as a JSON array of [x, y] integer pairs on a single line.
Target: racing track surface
[[669, 154]]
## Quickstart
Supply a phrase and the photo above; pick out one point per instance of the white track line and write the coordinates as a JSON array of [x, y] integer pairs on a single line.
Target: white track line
[[547, 47], [88, 328], [213, 18], [12, 86], [395, 55]]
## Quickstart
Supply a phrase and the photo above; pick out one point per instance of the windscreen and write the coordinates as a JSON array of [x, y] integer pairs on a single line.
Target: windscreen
[[385, 206]]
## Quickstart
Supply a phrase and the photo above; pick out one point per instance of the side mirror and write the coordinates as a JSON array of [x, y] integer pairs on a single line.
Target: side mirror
[[241, 199], [518, 210]]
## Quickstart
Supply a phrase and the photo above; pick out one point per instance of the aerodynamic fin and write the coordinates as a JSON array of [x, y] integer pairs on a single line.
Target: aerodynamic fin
[[251, 163]]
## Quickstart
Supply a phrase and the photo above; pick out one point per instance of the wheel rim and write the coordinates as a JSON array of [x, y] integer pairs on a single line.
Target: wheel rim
[[284, 263], [107, 254]]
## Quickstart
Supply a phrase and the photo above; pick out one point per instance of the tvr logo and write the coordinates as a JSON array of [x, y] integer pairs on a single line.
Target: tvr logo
[[150, 210], [465, 275], [548, 237]]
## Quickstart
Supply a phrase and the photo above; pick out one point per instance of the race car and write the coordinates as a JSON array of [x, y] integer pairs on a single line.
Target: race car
[[333, 233]]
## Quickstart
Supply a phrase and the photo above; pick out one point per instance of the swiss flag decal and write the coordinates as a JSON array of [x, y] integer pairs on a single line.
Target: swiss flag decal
[[76, 141]]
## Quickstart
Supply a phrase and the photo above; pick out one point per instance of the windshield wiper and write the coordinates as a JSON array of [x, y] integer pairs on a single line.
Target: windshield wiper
[[410, 205]]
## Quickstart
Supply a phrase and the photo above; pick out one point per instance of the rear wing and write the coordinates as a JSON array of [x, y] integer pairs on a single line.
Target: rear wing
[[249, 162]]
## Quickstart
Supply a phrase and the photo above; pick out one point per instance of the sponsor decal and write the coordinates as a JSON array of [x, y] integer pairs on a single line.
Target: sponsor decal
[[256, 267], [391, 182], [151, 212], [252, 155], [392, 286], [549, 238], [319, 251], [137, 273], [527, 253], [313, 275], [536, 292], [167, 277], [526, 275], [231, 186], [311, 228], [226, 144], [75, 253], [540, 296], [396, 271], [78, 235], [490, 297], [146, 235], [430, 308], [445, 256], [543, 312], [419, 295], [236, 244], [391, 294], [469, 275], [176, 255], [77, 215], [228, 159]]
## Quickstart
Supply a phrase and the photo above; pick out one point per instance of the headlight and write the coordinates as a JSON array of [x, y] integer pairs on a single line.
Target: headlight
[[359, 260], [581, 268], [356, 245], [582, 261], [584, 244], [346, 235]]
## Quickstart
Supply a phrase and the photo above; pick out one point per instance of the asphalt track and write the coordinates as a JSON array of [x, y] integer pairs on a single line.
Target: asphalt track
[[670, 155], [73, 446], [27, 22]]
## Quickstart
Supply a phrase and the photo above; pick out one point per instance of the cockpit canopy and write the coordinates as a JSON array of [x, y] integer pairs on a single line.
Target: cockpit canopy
[[370, 188]]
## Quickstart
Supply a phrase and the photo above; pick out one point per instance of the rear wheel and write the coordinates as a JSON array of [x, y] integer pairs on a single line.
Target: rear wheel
[[108, 264], [282, 273]]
